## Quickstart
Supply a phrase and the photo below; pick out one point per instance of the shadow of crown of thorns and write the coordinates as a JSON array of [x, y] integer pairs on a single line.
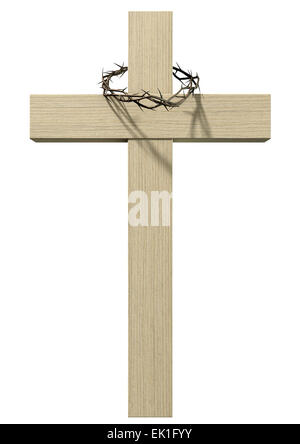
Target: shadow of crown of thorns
[[145, 99]]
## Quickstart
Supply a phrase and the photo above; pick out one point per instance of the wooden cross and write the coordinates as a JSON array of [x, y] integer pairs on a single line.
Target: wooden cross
[[150, 136]]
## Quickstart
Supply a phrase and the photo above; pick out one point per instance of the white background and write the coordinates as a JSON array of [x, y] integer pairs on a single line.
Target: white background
[[63, 225]]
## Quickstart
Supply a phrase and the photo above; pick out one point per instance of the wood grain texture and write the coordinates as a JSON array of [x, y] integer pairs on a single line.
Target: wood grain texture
[[150, 288], [150, 248], [211, 117]]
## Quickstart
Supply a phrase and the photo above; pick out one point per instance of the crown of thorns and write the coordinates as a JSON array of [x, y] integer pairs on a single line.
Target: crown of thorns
[[145, 99]]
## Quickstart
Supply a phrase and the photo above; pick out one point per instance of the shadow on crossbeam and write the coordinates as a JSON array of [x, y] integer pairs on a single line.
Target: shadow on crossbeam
[[207, 118], [137, 133]]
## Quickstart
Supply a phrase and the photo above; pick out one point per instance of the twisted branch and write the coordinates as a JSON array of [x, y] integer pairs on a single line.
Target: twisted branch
[[189, 83]]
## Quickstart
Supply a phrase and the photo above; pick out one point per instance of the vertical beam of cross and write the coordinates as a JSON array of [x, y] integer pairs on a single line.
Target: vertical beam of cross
[[150, 247]]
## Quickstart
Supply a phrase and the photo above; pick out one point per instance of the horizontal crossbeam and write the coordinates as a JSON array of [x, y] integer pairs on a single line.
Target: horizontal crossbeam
[[201, 118]]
